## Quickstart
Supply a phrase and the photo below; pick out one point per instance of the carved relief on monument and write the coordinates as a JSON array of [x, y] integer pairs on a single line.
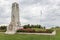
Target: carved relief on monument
[[10, 27]]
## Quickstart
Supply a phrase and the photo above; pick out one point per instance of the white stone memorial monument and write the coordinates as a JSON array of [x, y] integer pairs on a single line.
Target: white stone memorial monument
[[15, 23]]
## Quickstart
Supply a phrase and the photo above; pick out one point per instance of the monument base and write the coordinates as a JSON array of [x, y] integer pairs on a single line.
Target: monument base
[[10, 32]]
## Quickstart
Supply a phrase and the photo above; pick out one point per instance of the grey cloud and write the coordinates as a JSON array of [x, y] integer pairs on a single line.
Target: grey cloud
[[31, 2], [3, 13], [52, 12], [52, 18]]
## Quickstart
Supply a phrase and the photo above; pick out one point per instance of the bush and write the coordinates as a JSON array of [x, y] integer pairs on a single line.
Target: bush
[[46, 31], [29, 30], [26, 30], [21, 30], [49, 30], [3, 28]]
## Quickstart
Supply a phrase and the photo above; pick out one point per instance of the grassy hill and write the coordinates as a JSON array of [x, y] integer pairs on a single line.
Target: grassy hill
[[30, 37]]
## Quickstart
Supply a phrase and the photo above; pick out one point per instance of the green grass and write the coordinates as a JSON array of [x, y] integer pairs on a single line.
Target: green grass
[[23, 37], [29, 37]]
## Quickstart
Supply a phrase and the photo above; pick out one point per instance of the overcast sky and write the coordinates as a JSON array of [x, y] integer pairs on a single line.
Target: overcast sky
[[43, 12]]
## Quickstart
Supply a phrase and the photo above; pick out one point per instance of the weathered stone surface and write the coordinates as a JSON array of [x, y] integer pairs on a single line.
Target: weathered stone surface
[[11, 29]]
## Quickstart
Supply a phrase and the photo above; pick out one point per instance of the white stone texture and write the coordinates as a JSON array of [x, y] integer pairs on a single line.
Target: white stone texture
[[11, 29]]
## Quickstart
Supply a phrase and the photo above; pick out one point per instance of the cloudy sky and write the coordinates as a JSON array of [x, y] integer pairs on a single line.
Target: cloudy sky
[[44, 12]]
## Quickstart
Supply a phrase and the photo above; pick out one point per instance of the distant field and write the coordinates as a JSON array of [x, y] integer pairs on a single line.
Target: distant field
[[29, 37]]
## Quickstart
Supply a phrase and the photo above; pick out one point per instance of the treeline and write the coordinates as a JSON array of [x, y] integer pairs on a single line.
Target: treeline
[[3, 28], [55, 27], [33, 26]]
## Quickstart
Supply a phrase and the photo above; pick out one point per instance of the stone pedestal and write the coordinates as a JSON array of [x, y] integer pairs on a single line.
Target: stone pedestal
[[10, 32]]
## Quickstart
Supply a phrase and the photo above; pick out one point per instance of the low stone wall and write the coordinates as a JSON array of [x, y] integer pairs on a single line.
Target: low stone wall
[[53, 33]]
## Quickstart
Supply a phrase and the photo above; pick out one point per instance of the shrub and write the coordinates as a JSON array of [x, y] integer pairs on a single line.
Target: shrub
[[29, 30], [21, 30], [3, 28], [46, 31], [26, 30], [49, 30]]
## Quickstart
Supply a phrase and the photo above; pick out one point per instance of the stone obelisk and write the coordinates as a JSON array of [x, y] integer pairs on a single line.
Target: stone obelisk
[[11, 29]]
